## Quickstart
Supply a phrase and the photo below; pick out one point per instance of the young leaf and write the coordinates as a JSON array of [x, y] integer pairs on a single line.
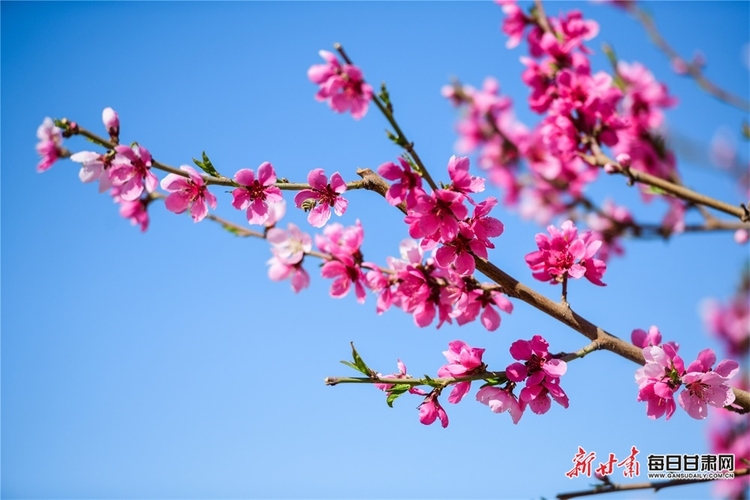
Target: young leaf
[[207, 166], [359, 363]]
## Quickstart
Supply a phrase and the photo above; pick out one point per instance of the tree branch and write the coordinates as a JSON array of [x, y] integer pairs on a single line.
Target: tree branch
[[609, 487]]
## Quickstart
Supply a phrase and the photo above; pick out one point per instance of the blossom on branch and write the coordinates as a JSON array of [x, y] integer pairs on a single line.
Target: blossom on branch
[[430, 410], [131, 171], [49, 145], [342, 86], [541, 372], [408, 186], [462, 360], [500, 400], [111, 123], [705, 386], [289, 248], [659, 379], [94, 166], [257, 195], [566, 254], [321, 197], [188, 193]]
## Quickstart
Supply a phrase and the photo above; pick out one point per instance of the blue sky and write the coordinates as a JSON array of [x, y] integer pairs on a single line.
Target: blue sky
[[167, 365]]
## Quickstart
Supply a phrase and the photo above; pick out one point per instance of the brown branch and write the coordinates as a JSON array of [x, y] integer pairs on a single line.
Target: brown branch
[[600, 159], [692, 69], [609, 487], [208, 179], [513, 288]]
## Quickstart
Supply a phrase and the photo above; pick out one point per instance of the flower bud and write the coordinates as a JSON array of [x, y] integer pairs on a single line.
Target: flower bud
[[610, 169], [111, 122], [623, 159], [741, 236]]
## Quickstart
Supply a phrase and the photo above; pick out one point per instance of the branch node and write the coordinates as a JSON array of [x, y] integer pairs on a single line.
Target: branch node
[[746, 213]]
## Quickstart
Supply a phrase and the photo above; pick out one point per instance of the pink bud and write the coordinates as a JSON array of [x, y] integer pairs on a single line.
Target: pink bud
[[741, 236], [111, 121], [623, 159], [610, 169]]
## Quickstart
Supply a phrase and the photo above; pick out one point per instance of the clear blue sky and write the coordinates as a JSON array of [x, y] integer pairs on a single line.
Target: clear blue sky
[[167, 365]]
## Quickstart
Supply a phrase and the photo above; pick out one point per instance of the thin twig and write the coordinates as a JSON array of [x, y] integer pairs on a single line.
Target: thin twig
[[609, 487], [692, 69]]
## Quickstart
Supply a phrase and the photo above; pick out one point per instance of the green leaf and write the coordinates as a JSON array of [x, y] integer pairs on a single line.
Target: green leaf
[[746, 130], [359, 363], [395, 392], [350, 365], [207, 166]]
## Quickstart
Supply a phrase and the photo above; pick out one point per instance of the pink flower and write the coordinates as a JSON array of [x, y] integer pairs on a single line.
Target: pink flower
[[111, 123], [472, 302], [188, 192], [462, 181], [462, 360], [345, 273], [256, 195], [131, 171], [704, 386], [408, 185], [342, 242], [136, 212], [642, 339], [458, 251], [609, 227], [564, 253], [436, 216], [730, 322], [541, 372], [94, 167], [430, 410], [500, 400], [396, 376], [276, 212], [514, 23], [342, 86], [49, 145], [289, 248], [659, 379], [322, 196]]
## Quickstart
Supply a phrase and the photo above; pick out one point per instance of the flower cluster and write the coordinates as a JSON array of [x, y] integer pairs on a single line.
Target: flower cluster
[[124, 170], [541, 372], [344, 263], [342, 86], [665, 372], [565, 254]]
